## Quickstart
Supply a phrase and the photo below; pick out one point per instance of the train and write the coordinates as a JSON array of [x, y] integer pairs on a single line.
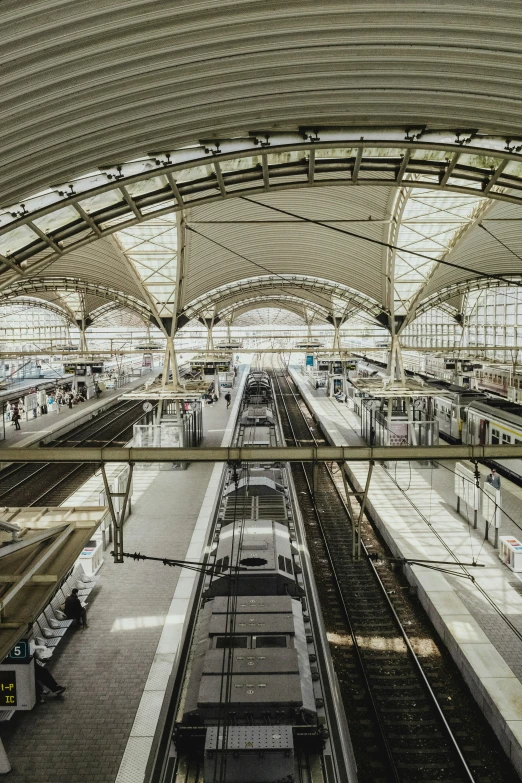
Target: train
[[252, 705], [449, 405], [471, 417], [496, 421]]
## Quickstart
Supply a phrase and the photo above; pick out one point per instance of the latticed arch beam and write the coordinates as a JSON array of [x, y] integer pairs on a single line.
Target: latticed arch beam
[[467, 286], [38, 285], [39, 304], [293, 304], [35, 232], [315, 291]]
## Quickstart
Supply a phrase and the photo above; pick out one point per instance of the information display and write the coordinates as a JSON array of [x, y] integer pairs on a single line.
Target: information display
[[309, 361], [8, 689]]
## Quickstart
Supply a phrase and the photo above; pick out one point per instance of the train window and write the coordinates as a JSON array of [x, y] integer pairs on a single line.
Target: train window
[[281, 563], [253, 561], [518, 442], [231, 642], [288, 563], [270, 641], [506, 438], [217, 567], [226, 561], [495, 437]]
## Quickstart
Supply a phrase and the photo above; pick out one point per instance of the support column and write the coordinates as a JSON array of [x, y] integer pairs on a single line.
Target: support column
[[118, 518], [395, 363], [337, 322], [209, 323], [83, 323]]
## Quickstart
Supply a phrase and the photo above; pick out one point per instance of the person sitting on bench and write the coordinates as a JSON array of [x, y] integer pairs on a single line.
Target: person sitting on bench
[[74, 609]]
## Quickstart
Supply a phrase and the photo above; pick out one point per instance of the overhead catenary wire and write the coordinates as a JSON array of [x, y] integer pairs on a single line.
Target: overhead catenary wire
[[389, 245], [286, 283]]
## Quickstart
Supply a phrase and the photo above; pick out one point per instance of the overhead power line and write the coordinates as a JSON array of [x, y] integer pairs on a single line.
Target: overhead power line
[[286, 283], [389, 245]]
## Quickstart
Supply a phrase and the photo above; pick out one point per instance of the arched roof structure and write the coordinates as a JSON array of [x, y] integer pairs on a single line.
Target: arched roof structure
[[367, 142]]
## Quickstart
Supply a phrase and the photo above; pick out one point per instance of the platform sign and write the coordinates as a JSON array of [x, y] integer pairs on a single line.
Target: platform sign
[[465, 486], [309, 361], [8, 689], [20, 651]]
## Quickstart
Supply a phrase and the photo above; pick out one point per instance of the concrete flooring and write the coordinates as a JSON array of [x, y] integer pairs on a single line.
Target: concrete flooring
[[82, 736]]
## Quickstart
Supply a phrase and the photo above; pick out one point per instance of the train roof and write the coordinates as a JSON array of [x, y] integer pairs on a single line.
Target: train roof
[[499, 407], [455, 388]]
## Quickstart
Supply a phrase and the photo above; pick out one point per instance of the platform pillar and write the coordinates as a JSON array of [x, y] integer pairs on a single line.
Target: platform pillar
[[118, 518]]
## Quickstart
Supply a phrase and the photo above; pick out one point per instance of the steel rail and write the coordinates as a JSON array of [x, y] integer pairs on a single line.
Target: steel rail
[[77, 467], [356, 647], [406, 639], [81, 427], [58, 441], [385, 595]]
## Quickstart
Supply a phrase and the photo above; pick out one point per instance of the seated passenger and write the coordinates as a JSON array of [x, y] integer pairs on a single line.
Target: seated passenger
[[74, 610]]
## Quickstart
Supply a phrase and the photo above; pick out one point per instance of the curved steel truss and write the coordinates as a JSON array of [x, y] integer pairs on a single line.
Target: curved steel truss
[[316, 292], [34, 286], [39, 304], [52, 223], [463, 287], [293, 304]]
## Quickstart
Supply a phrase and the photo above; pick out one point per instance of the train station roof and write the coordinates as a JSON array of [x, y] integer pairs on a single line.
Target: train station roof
[[362, 157]]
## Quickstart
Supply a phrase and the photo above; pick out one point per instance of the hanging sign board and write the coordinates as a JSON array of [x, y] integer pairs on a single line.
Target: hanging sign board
[[465, 486], [309, 361]]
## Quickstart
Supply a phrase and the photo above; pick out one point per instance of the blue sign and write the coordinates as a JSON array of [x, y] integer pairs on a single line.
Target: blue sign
[[309, 361]]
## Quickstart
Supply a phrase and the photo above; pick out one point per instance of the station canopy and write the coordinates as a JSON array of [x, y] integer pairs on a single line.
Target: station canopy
[[209, 161]]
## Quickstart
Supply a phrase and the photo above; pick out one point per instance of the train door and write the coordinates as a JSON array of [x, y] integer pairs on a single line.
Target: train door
[[483, 431]]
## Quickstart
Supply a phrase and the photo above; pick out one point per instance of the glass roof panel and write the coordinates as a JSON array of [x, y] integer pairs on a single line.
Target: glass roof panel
[[151, 248], [16, 239], [431, 222]]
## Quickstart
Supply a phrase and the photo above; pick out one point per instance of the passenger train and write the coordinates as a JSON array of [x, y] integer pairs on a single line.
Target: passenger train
[[252, 707], [471, 417], [496, 421]]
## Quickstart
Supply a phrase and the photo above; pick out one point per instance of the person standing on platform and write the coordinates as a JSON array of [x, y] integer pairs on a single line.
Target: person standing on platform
[[228, 398], [70, 400], [16, 417], [494, 479], [74, 610]]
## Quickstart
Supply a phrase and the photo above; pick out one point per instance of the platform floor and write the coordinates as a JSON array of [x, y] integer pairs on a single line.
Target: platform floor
[[116, 671], [415, 509], [34, 430]]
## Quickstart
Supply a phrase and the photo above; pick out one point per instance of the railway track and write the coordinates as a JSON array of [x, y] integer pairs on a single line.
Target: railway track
[[46, 484], [411, 717]]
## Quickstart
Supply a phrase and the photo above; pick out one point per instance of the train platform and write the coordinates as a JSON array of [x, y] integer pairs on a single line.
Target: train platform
[[23, 385], [476, 610], [117, 670], [45, 428]]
